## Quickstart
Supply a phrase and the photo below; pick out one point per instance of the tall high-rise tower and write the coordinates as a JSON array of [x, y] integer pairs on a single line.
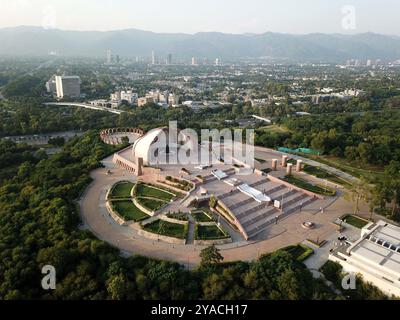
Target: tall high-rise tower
[[109, 56], [153, 57]]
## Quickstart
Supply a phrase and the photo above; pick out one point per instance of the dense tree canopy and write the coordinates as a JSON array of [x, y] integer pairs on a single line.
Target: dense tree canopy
[[39, 225]]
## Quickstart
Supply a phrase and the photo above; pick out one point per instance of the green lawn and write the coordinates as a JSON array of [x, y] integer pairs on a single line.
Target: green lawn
[[144, 190], [322, 174], [128, 211], [200, 216], [151, 204], [183, 216], [354, 168], [355, 221], [209, 233], [121, 190], [167, 229], [300, 252], [274, 128], [310, 187]]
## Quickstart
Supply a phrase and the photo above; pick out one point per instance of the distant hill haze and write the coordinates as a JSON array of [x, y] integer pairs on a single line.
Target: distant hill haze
[[131, 42]]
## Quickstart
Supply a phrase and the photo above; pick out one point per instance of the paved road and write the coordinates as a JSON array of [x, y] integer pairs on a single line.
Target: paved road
[[84, 105]]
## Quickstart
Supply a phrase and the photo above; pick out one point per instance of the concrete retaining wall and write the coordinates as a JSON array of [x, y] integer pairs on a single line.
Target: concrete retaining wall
[[211, 223], [145, 210], [154, 236], [117, 218], [165, 218], [229, 219], [289, 185], [212, 242]]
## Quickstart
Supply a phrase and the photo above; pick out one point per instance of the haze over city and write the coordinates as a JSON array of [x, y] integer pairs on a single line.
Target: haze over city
[[176, 16]]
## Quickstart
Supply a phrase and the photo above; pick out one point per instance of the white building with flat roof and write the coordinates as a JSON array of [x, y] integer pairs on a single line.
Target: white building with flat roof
[[129, 96], [68, 86], [376, 256]]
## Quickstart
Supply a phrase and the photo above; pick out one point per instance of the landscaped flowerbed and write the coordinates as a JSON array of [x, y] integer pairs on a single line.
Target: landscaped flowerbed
[[212, 232], [201, 216], [150, 203], [179, 183], [355, 221], [300, 252], [168, 229], [182, 216], [121, 190], [146, 190], [128, 211], [298, 182], [322, 174]]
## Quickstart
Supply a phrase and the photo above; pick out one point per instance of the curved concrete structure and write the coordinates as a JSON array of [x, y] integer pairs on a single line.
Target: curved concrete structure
[[83, 105]]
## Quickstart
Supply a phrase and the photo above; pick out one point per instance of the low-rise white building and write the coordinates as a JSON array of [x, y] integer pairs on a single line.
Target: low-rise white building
[[376, 256], [117, 97]]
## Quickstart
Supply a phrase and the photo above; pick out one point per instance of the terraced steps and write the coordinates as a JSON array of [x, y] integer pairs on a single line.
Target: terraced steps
[[254, 222]]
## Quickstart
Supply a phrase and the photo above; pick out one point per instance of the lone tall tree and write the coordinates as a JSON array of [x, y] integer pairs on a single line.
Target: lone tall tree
[[210, 256]]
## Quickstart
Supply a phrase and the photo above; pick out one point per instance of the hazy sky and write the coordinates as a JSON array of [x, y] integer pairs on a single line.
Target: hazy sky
[[189, 16]]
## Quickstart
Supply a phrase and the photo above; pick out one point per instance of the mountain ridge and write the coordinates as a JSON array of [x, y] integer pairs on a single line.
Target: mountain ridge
[[26, 40]]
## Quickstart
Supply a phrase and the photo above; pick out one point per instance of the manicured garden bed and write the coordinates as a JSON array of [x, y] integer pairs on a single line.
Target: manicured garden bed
[[201, 216], [144, 190], [209, 233], [310, 187], [179, 183], [166, 228], [128, 211], [322, 174], [151, 204], [355, 221], [182, 216], [300, 252], [121, 190]]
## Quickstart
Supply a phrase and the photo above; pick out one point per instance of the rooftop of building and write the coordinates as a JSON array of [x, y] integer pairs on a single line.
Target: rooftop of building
[[378, 249]]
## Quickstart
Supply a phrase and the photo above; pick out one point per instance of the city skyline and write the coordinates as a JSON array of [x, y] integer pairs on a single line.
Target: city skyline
[[289, 16]]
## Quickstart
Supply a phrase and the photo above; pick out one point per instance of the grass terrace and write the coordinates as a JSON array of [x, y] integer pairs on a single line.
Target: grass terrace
[[145, 190], [179, 183], [209, 233], [182, 216], [355, 168], [201, 216], [300, 252], [169, 229], [121, 190], [128, 211], [355, 221], [322, 174], [298, 182], [151, 204]]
